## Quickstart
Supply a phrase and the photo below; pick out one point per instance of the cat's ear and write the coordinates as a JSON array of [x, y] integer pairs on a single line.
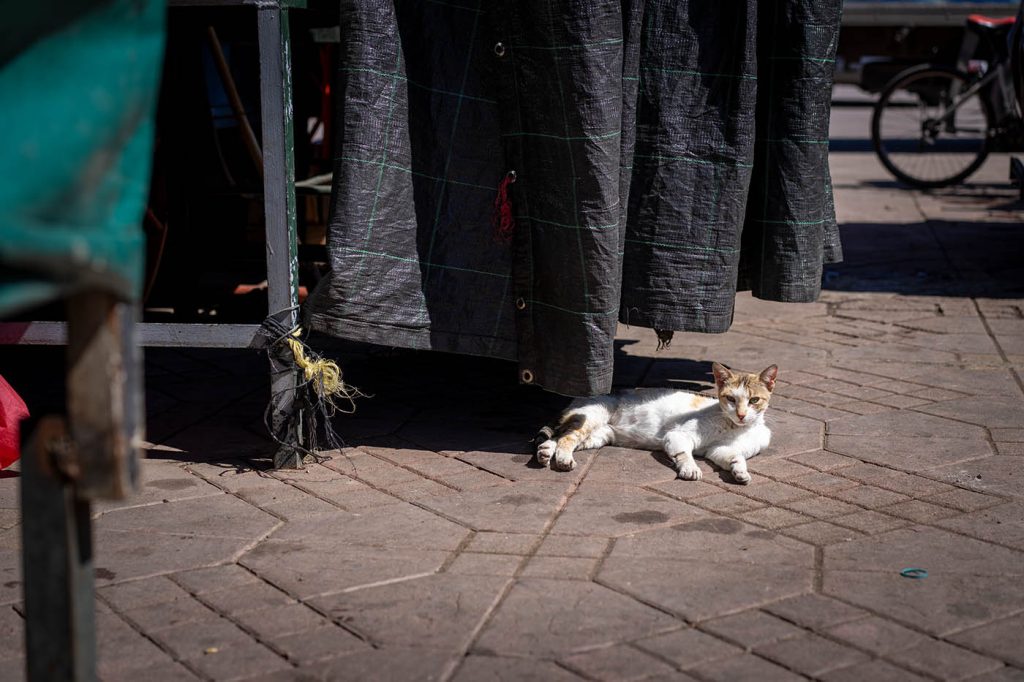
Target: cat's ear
[[721, 372], [768, 376]]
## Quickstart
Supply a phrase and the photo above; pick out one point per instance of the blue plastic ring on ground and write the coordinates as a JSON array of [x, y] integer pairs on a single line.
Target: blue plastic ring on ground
[[917, 573]]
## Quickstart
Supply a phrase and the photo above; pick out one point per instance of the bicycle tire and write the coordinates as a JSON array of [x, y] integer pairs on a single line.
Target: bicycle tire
[[967, 157]]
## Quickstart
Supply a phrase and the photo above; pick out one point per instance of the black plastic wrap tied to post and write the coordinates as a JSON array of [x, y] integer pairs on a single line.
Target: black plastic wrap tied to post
[[320, 393]]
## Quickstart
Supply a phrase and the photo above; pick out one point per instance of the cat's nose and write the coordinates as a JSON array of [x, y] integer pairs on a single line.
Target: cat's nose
[[741, 415]]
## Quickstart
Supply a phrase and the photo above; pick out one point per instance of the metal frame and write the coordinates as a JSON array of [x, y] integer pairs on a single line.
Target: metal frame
[[278, 143]]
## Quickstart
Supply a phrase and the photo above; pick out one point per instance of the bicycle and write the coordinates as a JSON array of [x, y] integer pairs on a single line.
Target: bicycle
[[934, 125]]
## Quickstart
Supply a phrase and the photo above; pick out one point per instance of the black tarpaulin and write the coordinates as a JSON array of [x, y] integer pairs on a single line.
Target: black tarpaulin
[[664, 153]]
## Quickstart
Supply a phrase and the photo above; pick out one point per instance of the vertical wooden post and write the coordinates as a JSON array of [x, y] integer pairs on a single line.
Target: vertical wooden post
[[64, 468], [279, 209]]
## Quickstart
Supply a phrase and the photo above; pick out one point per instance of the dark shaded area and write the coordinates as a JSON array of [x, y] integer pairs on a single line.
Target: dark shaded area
[[933, 258]]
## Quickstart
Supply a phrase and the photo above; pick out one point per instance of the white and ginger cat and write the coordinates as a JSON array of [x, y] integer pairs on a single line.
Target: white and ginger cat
[[727, 430]]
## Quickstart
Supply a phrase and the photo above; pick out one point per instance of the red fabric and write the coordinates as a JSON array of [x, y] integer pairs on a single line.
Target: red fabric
[[502, 220], [12, 411]]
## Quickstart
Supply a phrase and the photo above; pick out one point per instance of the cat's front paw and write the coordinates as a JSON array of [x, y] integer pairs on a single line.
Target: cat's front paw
[[563, 461], [545, 451], [690, 472], [741, 476]]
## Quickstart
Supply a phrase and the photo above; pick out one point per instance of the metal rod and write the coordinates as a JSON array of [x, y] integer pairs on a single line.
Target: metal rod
[[228, 81]]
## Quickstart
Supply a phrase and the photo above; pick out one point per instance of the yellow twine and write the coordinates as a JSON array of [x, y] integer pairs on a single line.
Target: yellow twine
[[324, 375]]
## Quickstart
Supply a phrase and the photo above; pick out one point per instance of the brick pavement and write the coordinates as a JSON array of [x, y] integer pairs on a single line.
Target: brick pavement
[[430, 548]]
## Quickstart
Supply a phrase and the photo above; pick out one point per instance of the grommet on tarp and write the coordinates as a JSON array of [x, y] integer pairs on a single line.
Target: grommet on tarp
[[321, 393], [527, 376], [520, 303], [502, 221], [499, 49], [914, 573]]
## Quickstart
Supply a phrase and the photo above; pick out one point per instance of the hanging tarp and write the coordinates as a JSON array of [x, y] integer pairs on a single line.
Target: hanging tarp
[[654, 155], [78, 90]]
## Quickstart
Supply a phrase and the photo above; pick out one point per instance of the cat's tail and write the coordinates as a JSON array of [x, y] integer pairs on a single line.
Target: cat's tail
[[545, 434]]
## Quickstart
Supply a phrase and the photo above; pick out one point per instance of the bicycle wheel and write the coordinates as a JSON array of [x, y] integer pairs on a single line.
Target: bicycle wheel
[[926, 132]]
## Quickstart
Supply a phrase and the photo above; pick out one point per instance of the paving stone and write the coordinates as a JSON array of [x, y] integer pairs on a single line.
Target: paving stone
[[909, 453], [575, 616], [142, 593], [369, 469], [773, 492], [869, 496], [744, 667], [822, 507], [987, 411], [774, 518], [822, 482], [280, 620], [1012, 435], [992, 475], [964, 500], [1010, 449], [805, 409], [249, 597], [408, 613], [685, 490], [12, 635], [621, 662], [750, 628], [520, 508], [520, 466], [815, 611], [470, 563], [905, 424], [730, 555], [1000, 639], [220, 516], [169, 614], [946, 661], [874, 634], [637, 467], [473, 479], [192, 640], [168, 671], [875, 671], [562, 568], [611, 510], [403, 526], [163, 482], [728, 503], [305, 571], [820, 533], [688, 647], [502, 543], [918, 511], [779, 469], [370, 665], [822, 460], [865, 407], [1003, 525], [896, 481], [328, 641], [942, 603], [810, 654], [573, 546], [114, 638], [502, 669], [214, 578], [869, 522], [349, 494], [238, 662]]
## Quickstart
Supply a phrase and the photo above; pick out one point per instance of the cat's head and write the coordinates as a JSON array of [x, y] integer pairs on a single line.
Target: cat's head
[[744, 397]]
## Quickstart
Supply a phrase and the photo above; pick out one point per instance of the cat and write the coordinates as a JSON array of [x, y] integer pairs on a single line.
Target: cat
[[727, 430]]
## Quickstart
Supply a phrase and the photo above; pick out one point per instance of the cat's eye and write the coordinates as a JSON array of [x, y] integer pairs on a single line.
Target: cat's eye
[[730, 398], [754, 401]]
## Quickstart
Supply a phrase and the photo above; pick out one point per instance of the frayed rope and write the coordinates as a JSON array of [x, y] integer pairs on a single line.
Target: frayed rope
[[320, 395]]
